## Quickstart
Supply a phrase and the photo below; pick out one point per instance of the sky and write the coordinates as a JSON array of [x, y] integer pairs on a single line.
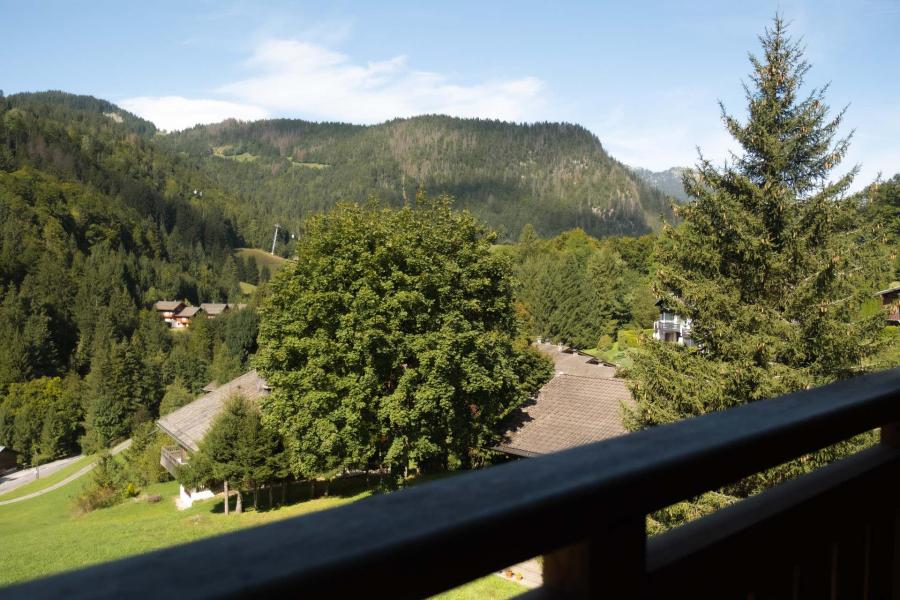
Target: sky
[[645, 77]]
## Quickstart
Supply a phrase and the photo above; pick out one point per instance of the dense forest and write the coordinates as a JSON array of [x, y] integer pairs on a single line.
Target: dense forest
[[97, 223], [551, 175]]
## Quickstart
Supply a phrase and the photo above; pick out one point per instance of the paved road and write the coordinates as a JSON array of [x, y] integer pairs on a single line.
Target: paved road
[[14, 480], [70, 478]]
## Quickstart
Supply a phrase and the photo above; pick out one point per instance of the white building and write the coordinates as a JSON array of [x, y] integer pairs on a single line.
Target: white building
[[671, 327]]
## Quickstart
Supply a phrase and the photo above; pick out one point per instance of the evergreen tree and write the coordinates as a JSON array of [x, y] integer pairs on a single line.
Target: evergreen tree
[[768, 261], [238, 450]]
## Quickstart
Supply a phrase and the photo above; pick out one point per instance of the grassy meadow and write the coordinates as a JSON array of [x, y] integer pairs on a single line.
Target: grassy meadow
[[262, 257], [44, 535]]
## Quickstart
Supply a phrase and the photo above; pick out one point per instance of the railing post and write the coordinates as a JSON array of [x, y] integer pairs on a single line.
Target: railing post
[[890, 436], [611, 563]]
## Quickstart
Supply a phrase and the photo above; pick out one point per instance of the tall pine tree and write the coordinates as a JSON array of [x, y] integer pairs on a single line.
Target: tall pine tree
[[769, 260]]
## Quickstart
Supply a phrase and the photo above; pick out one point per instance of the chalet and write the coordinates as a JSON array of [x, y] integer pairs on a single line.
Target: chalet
[[213, 309], [188, 425], [7, 459], [671, 327], [167, 309], [890, 301], [184, 317], [583, 403]]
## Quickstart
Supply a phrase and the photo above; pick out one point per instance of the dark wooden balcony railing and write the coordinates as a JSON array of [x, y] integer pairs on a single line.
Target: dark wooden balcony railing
[[831, 533]]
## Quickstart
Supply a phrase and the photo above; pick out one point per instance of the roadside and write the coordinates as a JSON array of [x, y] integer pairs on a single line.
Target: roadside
[[19, 478], [86, 469]]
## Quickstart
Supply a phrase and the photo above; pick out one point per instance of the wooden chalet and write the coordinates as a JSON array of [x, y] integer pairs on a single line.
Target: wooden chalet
[[167, 309], [214, 309], [582, 404], [188, 425], [890, 301], [184, 317]]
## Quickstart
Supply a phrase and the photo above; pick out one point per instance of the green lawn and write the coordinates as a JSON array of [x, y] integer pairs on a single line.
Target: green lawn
[[49, 538], [262, 258], [486, 588], [45, 482], [247, 288], [44, 536]]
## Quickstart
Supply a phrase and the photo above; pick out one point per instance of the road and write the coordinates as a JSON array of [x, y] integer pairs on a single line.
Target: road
[[53, 468]]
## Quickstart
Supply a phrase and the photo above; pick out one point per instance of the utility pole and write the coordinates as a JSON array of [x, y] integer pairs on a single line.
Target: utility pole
[[275, 238]]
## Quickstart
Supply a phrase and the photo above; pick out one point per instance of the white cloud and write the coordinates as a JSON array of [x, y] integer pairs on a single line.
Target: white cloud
[[173, 113], [308, 80]]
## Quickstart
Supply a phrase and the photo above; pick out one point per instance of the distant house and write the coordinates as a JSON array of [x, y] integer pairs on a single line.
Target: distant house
[[583, 403], [213, 309], [188, 425], [890, 301], [7, 459], [671, 327], [167, 309], [184, 317]]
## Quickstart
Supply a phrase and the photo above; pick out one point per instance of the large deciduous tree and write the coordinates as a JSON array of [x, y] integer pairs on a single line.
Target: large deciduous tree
[[770, 261], [392, 341]]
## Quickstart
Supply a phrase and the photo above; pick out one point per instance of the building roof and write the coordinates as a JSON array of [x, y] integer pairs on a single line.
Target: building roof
[[890, 290], [213, 308], [188, 311], [581, 404], [168, 305], [211, 386], [188, 425], [572, 362], [569, 411]]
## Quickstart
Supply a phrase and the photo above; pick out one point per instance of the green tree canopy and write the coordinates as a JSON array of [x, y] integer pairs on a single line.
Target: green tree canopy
[[392, 341]]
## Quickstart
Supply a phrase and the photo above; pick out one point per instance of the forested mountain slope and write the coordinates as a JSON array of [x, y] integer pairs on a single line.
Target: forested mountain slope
[[668, 181], [554, 176], [96, 223]]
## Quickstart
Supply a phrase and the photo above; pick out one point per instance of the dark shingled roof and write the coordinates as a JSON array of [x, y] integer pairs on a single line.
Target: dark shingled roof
[[582, 404], [189, 424], [569, 411], [188, 311], [213, 308], [168, 305]]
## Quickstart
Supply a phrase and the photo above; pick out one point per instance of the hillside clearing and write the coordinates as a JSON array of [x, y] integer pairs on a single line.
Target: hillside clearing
[[274, 262]]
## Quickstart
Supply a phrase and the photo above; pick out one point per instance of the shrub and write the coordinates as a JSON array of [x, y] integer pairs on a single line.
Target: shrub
[[604, 343], [629, 338]]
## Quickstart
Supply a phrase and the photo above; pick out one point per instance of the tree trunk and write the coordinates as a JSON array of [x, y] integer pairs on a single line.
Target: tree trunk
[[255, 498], [239, 506], [283, 490], [270, 496], [226, 496]]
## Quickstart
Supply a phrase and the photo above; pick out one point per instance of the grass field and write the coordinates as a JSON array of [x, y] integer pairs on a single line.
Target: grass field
[[43, 536], [262, 258], [247, 288], [45, 482], [243, 157], [305, 165]]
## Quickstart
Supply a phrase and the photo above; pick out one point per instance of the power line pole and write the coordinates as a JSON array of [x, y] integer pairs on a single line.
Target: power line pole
[[275, 238]]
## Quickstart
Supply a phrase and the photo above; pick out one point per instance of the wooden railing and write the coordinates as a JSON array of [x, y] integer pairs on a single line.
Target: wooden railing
[[170, 457], [831, 533]]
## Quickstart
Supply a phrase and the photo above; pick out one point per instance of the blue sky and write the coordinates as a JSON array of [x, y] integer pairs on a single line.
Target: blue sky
[[645, 78]]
